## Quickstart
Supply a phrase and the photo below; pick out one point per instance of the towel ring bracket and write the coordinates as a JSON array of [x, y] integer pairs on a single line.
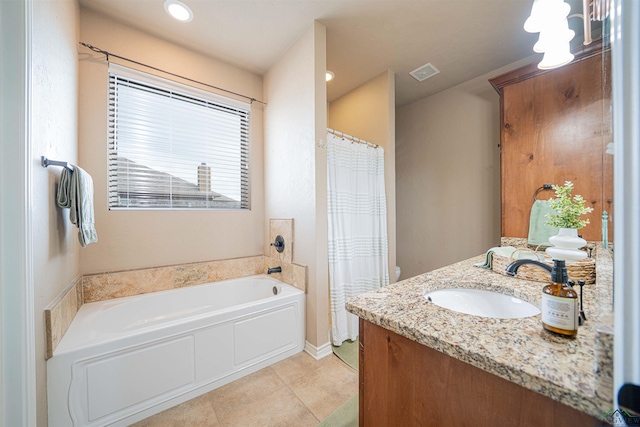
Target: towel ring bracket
[[542, 188]]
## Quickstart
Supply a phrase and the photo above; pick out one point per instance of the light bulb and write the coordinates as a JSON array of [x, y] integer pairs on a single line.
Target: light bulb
[[330, 76], [544, 12], [553, 35], [556, 57], [178, 10]]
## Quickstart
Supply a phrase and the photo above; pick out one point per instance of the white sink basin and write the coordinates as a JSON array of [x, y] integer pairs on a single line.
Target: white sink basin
[[482, 303]]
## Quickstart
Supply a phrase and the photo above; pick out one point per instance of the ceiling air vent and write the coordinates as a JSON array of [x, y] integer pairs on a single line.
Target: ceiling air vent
[[424, 72]]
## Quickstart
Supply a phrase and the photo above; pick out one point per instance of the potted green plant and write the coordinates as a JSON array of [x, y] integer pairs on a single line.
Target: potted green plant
[[568, 210]]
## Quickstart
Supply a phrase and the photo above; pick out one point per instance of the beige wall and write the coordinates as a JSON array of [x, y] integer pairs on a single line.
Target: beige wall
[[140, 239], [54, 134], [368, 112], [321, 292], [295, 182], [448, 175]]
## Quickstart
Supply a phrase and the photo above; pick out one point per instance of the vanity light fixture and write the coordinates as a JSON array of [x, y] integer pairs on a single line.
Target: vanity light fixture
[[550, 19], [178, 10], [543, 13], [330, 75]]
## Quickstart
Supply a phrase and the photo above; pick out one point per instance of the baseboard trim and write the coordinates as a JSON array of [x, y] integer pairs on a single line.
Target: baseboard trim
[[318, 352]]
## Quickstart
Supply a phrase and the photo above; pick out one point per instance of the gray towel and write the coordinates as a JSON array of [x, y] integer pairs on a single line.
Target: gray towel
[[75, 192], [539, 231]]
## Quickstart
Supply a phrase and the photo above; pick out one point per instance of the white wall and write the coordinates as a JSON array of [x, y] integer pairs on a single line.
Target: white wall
[[55, 135], [448, 175], [17, 391], [295, 169], [138, 239]]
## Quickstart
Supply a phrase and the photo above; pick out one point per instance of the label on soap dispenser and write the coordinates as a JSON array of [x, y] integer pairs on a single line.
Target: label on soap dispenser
[[561, 313]]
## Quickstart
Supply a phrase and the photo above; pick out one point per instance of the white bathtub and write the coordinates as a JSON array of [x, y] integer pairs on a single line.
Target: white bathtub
[[125, 359]]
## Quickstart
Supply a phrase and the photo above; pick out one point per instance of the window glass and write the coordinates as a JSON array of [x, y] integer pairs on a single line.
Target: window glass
[[173, 146]]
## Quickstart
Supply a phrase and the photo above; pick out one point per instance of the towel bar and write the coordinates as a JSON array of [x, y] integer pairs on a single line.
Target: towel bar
[[543, 187], [46, 163]]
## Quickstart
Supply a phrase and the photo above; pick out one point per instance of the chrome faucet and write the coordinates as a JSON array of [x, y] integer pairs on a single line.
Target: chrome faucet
[[274, 270]]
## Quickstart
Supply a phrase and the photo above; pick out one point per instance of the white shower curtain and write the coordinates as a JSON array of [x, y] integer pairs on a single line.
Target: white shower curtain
[[357, 207]]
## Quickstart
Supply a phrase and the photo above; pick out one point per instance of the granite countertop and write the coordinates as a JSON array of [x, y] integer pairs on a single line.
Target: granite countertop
[[574, 371]]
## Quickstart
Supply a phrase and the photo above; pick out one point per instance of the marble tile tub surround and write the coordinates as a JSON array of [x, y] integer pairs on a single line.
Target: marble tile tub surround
[[60, 313], [104, 286], [292, 274], [569, 371], [100, 287]]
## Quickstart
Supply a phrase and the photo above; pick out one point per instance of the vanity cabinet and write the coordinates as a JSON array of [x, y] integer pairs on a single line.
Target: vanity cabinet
[[554, 127], [404, 383]]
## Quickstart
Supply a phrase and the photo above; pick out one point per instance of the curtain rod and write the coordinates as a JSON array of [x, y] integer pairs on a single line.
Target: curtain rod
[[352, 138], [108, 54]]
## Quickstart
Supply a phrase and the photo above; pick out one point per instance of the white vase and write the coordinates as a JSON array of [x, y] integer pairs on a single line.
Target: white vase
[[566, 244]]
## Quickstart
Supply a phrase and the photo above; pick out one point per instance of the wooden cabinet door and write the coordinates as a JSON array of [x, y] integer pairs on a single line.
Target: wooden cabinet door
[[404, 383], [555, 128]]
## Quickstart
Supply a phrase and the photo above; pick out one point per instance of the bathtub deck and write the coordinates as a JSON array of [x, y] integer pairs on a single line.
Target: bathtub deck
[[298, 391]]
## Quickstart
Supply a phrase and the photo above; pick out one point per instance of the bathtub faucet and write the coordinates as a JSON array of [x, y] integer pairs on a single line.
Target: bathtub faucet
[[278, 244], [274, 270]]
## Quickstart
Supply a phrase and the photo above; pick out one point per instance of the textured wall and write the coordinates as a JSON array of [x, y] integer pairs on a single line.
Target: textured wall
[[295, 171], [139, 239], [54, 134]]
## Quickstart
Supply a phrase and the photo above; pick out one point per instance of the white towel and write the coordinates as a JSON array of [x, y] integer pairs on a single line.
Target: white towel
[[75, 192], [500, 250], [507, 251]]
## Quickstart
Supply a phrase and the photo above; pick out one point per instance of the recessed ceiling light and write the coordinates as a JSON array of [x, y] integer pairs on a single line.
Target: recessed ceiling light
[[330, 76], [178, 10]]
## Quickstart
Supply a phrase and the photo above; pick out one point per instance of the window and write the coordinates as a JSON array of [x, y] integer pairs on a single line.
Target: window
[[172, 146]]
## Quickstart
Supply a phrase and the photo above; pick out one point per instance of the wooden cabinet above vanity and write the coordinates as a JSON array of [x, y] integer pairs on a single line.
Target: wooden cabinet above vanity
[[554, 127]]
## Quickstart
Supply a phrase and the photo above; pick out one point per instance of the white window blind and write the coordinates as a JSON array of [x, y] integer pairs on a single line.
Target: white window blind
[[175, 147]]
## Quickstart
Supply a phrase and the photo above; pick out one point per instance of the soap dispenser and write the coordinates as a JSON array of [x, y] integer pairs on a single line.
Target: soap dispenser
[[559, 300], [560, 303]]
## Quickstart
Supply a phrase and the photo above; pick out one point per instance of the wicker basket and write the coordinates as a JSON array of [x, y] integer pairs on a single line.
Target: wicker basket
[[580, 270]]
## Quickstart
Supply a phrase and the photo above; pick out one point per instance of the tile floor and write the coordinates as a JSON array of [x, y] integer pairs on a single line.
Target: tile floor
[[298, 391]]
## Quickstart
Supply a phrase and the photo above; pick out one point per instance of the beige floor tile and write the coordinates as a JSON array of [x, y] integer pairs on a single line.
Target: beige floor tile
[[299, 365], [281, 408], [298, 391], [324, 389], [197, 412], [253, 387]]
